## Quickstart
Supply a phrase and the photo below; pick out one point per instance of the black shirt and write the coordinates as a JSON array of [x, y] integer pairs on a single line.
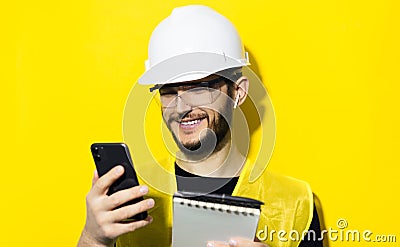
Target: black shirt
[[187, 181]]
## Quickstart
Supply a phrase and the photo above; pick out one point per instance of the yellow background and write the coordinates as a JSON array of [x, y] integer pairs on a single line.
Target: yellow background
[[331, 68]]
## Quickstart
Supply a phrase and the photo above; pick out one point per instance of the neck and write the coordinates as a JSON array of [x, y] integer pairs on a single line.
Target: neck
[[225, 161]]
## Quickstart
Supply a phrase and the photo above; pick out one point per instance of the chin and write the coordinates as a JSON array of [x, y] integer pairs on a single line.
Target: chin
[[191, 146]]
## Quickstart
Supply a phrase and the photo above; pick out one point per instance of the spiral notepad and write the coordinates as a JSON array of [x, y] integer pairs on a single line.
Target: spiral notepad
[[201, 218]]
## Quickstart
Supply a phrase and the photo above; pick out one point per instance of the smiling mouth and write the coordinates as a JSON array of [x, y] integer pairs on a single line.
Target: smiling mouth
[[190, 124]]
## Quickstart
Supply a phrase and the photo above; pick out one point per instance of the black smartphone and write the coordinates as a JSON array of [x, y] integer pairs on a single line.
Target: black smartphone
[[108, 155]]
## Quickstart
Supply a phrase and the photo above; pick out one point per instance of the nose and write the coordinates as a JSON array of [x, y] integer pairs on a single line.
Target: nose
[[181, 106]]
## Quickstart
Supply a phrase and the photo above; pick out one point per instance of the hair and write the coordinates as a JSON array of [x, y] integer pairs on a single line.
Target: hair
[[232, 75]]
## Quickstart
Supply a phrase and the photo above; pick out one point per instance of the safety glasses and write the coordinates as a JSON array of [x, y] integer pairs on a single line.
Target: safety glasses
[[191, 93]]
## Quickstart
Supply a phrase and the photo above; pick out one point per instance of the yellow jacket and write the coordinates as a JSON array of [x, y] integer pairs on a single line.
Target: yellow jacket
[[288, 206]]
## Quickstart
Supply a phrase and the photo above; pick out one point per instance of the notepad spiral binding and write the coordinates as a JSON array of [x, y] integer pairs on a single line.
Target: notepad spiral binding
[[217, 206]]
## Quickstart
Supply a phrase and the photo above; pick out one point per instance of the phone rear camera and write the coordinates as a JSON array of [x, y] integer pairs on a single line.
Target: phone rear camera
[[97, 157], [96, 150]]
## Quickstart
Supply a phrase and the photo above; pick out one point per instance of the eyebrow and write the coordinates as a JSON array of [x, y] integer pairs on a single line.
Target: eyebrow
[[170, 85]]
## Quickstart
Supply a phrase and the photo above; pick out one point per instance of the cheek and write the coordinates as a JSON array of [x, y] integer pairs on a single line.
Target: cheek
[[171, 125], [212, 117], [166, 115]]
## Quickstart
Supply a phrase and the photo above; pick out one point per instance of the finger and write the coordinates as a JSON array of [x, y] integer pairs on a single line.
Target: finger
[[104, 182], [120, 197], [241, 242], [95, 177], [122, 228], [128, 211]]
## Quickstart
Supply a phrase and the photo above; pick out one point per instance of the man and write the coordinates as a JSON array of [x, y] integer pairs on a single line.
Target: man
[[196, 62]]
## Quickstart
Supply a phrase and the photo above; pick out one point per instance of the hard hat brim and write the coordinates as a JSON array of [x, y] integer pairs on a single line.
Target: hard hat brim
[[189, 67]]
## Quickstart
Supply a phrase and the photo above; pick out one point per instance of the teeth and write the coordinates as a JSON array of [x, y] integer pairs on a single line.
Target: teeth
[[191, 122]]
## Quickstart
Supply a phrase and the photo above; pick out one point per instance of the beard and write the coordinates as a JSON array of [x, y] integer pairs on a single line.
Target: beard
[[212, 140]]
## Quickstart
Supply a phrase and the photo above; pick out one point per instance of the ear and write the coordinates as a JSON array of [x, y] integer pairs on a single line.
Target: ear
[[242, 85]]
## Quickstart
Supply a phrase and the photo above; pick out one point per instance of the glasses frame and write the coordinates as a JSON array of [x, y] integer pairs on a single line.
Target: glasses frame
[[214, 81], [207, 84]]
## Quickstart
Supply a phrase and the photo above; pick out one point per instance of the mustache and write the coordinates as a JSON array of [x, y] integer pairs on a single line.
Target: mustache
[[178, 117]]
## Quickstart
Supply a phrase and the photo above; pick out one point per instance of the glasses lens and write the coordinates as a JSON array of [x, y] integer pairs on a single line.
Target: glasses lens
[[194, 94], [168, 100], [199, 96], [168, 96]]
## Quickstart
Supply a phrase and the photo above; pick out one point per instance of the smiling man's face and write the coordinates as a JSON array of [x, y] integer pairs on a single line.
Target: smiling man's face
[[192, 124]]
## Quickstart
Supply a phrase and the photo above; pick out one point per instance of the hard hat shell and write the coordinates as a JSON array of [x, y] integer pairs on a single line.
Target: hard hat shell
[[192, 43]]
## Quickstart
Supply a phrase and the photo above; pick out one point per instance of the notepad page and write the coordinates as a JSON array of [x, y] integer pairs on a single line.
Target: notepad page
[[197, 223]]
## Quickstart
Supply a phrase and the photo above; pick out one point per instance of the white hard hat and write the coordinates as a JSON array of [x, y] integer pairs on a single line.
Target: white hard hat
[[192, 43]]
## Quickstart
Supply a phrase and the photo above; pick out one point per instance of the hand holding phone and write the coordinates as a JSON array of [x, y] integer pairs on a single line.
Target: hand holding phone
[[105, 221], [109, 155]]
